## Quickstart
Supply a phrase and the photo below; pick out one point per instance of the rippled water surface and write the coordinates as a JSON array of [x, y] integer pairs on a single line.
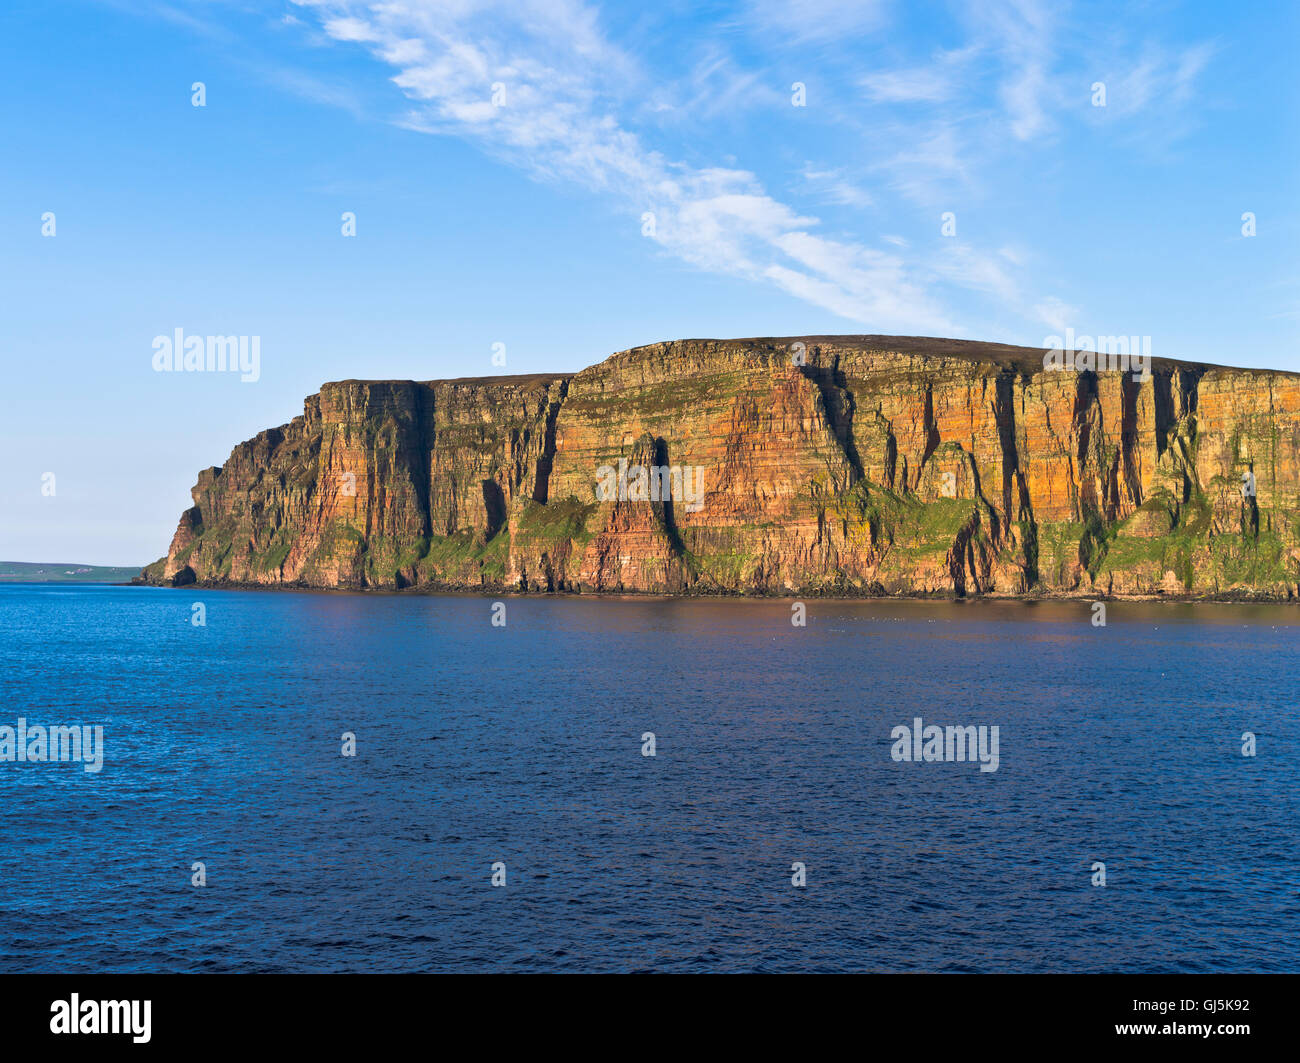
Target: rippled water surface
[[522, 744]]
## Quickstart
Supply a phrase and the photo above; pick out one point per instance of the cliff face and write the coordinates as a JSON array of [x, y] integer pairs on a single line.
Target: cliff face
[[881, 465]]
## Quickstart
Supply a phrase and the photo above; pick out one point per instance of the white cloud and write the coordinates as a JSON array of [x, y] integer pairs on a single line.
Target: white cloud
[[1024, 30], [1150, 101], [816, 20], [1055, 313], [920, 84], [931, 168], [349, 29], [963, 265], [832, 186], [573, 101], [558, 122]]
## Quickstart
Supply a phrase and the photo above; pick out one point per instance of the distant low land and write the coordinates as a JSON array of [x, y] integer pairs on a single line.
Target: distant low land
[[33, 572]]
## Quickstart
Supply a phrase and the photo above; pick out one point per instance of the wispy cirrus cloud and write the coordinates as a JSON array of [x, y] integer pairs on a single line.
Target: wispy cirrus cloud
[[803, 21], [917, 85], [557, 118], [540, 85], [1025, 77], [1149, 98], [834, 186]]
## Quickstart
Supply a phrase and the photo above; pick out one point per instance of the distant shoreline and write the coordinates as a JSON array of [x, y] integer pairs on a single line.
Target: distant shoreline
[[8, 582], [65, 572]]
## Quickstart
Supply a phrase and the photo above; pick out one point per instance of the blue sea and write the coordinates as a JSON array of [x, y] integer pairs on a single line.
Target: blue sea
[[520, 748]]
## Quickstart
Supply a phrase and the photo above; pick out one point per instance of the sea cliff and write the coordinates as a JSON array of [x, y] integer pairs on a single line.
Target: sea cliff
[[832, 465]]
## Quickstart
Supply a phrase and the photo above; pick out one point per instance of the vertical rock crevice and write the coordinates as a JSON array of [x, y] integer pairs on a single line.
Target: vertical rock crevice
[[931, 429], [1085, 422], [546, 460], [1130, 390], [1016, 503], [664, 507], [838, 408]]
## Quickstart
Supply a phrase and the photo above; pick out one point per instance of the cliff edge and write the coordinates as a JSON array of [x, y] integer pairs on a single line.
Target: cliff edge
[[852, 465]]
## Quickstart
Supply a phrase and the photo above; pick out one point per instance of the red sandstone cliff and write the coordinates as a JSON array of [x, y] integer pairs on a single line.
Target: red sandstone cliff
[[882, 465]]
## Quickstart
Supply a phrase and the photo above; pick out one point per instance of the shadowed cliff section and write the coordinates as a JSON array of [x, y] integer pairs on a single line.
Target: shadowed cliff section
[[865, 465], [547, 459], [837, 408]]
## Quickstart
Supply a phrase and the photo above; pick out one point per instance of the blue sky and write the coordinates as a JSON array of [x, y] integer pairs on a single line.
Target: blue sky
[[520, 220]]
